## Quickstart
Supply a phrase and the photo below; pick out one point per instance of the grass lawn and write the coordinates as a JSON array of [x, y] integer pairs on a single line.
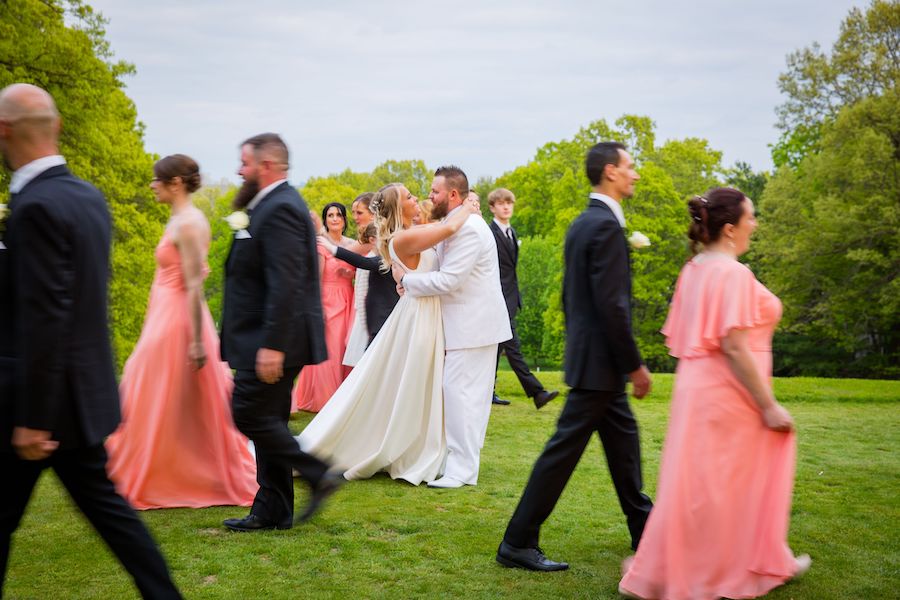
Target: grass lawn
[[385, 539]]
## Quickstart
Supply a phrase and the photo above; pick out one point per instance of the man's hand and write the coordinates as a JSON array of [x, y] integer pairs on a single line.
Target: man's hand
[[269, 365], [398, 272], [33, 444], [640, 382]]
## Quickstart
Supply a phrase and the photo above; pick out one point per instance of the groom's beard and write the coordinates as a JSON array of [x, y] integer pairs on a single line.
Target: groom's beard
[[245, 194], [439, 211]]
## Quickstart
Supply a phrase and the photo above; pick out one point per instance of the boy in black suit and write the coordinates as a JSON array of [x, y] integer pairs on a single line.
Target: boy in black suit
[[501, 202]]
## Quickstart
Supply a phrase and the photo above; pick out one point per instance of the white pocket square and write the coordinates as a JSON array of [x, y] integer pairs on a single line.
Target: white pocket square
[[2, 246], [242, 234]]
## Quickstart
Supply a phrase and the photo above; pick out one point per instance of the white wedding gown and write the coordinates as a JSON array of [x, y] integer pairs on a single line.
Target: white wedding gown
[[388, 414]]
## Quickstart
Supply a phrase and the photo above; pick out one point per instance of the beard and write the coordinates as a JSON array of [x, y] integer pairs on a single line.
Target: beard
[[439, 211], [245, 194]]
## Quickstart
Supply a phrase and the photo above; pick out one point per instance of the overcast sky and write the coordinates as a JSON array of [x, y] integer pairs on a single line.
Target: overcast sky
[[480, 84]]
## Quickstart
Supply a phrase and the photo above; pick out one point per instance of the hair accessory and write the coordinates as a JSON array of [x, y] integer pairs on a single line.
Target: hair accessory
[[704, 200], [375, 204]]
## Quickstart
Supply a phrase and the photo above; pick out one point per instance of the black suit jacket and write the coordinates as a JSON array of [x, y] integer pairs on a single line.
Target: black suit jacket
[[382, 296], [58, 238], [600, 347], [272, 297], [508, 254]]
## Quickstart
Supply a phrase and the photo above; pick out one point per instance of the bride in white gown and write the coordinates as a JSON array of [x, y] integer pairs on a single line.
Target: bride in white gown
[[388, 414]]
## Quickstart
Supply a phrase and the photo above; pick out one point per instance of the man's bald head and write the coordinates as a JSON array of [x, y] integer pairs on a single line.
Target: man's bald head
[[29, 123]]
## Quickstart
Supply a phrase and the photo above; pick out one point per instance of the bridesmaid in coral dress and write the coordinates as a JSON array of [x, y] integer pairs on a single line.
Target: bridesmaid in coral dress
[[318, 382], [719, 527], [177, 445]]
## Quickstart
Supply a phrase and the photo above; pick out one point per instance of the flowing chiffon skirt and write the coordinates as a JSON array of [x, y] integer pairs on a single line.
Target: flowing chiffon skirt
[[177, 445]]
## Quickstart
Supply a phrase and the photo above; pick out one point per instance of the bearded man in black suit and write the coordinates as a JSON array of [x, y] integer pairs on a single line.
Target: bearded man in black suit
[[501, 202], [272, 326], [601, 354], [58, 393]]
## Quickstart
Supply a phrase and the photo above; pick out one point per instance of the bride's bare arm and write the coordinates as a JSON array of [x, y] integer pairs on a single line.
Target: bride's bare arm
[[412, 241]]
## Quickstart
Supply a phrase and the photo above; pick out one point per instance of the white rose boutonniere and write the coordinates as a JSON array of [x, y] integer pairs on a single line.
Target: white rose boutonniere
[[638, 240], [238, 220]]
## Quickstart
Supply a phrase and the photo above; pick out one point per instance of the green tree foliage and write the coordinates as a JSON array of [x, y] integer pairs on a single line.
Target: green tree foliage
[[59, 45], [345, 186], [743, 177], [864, 62], [552, 190], [829, 244], [215, 202], [539, 264]]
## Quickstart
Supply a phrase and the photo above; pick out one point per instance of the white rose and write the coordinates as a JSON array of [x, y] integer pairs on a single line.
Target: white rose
[[638, 240], [238, 220]]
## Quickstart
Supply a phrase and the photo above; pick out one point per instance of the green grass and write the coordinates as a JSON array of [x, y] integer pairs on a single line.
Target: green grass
[[385, 539]]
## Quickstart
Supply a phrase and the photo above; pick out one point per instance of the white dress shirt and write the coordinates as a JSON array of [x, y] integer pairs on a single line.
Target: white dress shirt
[[504, 229]]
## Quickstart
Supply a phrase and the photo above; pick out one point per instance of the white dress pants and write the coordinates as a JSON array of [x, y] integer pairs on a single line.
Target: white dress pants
[[468, 389]]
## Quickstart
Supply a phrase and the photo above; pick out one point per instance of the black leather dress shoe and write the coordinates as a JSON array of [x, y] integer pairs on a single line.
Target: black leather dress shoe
[[527, 558], [251, 523], [328, 485], [543, 397], [500, 401]]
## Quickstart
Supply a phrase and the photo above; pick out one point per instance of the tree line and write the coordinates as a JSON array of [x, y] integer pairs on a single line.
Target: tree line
[[828, 242]]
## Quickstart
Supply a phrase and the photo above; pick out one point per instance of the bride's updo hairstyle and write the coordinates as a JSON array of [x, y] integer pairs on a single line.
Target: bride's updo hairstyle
[[178, 165], [388, 219], [710, 213]]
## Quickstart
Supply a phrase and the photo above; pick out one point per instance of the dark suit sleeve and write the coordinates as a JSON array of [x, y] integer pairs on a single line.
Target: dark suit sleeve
[[609, 282], [286, 238], [43, 281], [367, 263]]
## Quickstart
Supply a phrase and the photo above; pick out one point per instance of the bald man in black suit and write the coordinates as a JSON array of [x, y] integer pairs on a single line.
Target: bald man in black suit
[[64, 400]]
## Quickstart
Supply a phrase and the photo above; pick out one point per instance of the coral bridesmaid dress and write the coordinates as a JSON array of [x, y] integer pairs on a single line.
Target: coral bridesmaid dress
[[177, 445], [719, 526], [318, 382]]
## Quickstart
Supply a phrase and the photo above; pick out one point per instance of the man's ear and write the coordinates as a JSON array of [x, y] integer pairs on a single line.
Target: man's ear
[[609, 172]]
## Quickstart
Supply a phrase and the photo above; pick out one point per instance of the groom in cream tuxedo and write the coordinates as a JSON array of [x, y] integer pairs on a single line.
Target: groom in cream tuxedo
[[475, 321]]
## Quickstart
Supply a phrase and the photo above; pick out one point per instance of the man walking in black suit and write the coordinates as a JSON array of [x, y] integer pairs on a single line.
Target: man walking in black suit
[[501, 202], [272, 326], [601, 354], [58, 393]]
